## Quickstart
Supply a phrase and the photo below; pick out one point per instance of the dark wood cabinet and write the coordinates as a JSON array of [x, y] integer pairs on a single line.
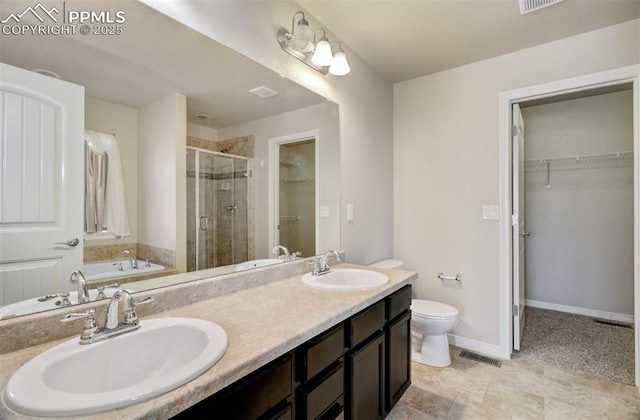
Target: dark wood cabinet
[[365, 375], [359, 368], [398, 359], [264, 394], [398, 346]]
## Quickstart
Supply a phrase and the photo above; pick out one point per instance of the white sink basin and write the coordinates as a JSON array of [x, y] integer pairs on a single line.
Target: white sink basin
[[73, 379], [258, 263], [346, 279]]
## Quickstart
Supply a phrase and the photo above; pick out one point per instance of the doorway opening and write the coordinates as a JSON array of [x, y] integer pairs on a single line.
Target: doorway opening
[[293, 164], [514, 300], [577, 192]]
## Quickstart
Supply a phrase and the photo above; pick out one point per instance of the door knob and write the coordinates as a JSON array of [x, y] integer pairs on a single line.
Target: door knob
[[71, 242], [525, 234]]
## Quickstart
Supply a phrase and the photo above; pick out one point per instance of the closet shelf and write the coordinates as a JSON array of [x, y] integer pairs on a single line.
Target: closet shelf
[[603, 160], [297, 180], [287, 162]]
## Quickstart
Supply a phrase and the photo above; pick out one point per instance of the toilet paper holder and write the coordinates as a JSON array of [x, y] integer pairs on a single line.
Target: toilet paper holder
[[457, 277]]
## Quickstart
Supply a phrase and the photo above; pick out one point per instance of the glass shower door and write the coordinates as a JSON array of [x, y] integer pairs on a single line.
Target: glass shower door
[[218, 210]]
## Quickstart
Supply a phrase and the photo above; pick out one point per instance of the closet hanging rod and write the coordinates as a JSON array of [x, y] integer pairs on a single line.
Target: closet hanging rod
[[578, 159]]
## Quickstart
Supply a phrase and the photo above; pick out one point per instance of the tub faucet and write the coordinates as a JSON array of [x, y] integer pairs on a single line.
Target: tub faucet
[[78, 278], [132, 258], [276, 252]]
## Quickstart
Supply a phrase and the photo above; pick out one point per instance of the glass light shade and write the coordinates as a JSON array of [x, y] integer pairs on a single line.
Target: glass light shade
[[340, 66], [302, 37], [322, 56]]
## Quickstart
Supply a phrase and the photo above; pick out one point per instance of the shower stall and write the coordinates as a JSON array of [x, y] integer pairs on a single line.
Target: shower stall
[[219, 200]]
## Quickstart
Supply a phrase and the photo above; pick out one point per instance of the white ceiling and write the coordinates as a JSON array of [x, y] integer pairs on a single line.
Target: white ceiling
[[400, 39], [404, 39], [157, 56]]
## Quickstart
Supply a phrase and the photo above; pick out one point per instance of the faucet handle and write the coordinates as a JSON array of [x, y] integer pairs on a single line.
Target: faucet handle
[[315, 266], [90, 325], [130, 314]]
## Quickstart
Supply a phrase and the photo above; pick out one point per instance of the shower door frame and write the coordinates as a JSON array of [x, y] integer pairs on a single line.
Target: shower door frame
[[197, 199], [625, 75]]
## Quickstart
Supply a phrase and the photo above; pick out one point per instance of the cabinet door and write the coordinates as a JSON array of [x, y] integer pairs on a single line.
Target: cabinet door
[[398, 359], [262, 394], [365, 398]]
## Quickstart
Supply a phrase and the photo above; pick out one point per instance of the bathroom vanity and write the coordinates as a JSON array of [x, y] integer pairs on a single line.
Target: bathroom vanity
[[294, 351], [360, 367]]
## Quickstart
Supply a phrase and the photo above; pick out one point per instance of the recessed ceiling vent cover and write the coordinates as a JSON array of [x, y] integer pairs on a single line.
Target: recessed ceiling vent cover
[[263, 92], [528, 6]]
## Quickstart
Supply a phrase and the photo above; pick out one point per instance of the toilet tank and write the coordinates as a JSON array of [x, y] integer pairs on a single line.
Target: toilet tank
[[391, 264]]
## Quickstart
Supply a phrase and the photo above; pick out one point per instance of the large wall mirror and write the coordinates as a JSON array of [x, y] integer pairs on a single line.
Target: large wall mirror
[[206, 160]]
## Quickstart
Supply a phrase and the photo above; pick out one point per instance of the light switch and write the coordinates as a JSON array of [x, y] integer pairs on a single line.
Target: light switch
[[491, 212], [350, 216], [324, 211]]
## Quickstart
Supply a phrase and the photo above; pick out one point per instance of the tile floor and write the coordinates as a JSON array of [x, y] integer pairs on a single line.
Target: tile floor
[[520, 389]]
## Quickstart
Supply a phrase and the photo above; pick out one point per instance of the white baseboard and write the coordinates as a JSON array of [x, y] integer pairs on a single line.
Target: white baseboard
[[613, 316], [476, 346]]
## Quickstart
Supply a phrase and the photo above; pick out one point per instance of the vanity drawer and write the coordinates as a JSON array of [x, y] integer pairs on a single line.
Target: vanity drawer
[[253, 397], [323, 396], [320, 353], [398, 302], [365, 324]]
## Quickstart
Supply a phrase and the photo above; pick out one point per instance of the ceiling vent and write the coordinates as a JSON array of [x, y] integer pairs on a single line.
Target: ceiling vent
[[263, 92], [528, 6]]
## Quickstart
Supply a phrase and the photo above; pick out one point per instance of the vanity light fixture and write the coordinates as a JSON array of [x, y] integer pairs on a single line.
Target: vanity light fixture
[[340, 66], [318, 56]]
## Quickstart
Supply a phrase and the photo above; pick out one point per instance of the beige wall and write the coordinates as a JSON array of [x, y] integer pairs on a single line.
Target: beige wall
[[108, 117], [322, 117], [162, 175], [446, 166], [365, 100]]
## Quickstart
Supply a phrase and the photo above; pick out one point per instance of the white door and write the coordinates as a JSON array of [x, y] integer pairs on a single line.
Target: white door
[[518, 223], [41, 183]]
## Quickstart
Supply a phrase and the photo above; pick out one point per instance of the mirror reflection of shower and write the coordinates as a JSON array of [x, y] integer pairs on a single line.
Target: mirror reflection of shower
[[218, 209], [297, 197]]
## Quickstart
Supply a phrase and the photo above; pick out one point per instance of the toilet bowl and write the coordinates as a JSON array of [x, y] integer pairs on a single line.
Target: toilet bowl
[[430, 323]]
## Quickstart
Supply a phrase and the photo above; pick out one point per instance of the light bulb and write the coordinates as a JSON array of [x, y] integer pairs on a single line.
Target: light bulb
[[302, 37], [323, 56], [340, 66]]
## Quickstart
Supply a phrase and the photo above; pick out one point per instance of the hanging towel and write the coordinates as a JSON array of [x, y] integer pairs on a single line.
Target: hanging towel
[[95, 182], [115, 209]]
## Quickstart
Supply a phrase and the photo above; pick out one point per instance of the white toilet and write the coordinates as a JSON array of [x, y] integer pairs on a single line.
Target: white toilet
[[430, 323]]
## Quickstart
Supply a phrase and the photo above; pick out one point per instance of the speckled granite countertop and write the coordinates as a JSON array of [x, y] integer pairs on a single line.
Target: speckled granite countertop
[[262, 323]]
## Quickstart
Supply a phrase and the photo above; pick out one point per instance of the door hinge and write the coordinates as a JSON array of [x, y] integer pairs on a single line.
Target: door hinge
[[514, 220], [514, 130], [514, 310]]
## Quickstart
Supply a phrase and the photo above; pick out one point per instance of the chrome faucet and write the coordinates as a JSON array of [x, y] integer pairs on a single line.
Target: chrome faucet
[[121, 305], [276, 252], [132, 259], [78, 278], [321, 265]]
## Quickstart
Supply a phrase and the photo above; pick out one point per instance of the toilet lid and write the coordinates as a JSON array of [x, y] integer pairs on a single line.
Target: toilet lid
[[431, 309]]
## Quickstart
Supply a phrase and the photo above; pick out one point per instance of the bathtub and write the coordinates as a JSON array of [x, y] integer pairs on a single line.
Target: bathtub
[[99, 271]]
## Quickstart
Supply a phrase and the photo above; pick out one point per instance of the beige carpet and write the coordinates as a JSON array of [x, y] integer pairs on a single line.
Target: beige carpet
[[578, 342]]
